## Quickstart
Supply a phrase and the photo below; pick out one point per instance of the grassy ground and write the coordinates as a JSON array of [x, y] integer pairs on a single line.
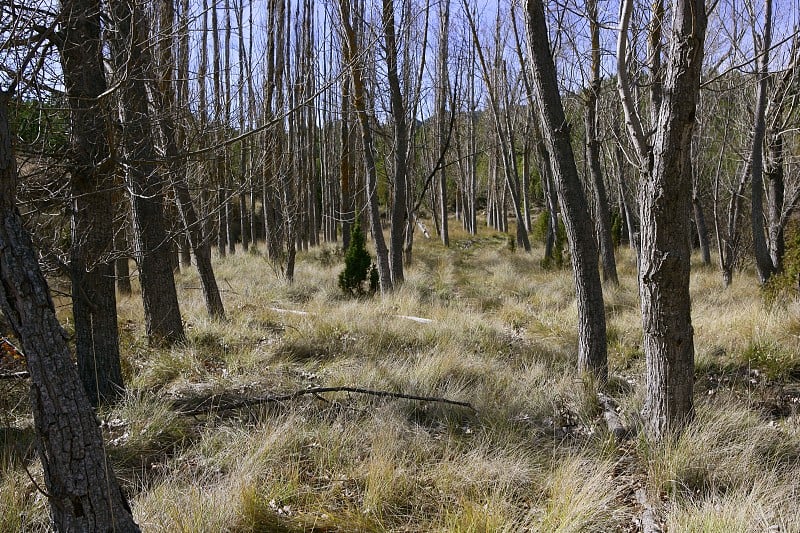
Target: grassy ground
[[534, 456]]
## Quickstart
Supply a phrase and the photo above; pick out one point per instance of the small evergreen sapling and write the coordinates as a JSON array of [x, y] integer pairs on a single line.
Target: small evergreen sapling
[[358, 267]]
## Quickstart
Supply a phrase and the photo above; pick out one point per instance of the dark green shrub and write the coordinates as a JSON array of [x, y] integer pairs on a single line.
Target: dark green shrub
[[358, 267], [616, 227], [785, 285]]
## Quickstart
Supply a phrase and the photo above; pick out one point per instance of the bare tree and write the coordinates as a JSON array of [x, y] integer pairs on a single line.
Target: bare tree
[[92, 180], [354, 60], [592, 356], [133, 62], [592, 95], [81, 487], [665, 206]]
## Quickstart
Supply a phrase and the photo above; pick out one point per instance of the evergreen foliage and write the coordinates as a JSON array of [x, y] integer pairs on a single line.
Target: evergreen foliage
[[358, 267]]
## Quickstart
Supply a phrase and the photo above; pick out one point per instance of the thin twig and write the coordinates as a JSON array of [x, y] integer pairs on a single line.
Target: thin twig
[[320, 390]]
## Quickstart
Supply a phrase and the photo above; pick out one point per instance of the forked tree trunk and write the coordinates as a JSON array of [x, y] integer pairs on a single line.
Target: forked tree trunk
[[665, 207], [82, 490], [592, 355]]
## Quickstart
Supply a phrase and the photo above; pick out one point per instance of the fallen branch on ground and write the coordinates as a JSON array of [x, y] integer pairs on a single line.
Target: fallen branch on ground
[[417, 319], [15, 375], [316, 391]]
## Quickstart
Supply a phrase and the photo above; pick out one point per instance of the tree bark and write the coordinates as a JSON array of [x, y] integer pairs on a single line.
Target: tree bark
[[94, 305], [602, 215], [441, 114], [166, 132], [81, 487], [775, 181], [665, 208], [397, 231], [764, 265], [592, 355], [131, 55]]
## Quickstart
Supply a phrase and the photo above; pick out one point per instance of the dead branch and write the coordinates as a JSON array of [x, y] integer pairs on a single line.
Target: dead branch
[[14, 375], [250, 402]]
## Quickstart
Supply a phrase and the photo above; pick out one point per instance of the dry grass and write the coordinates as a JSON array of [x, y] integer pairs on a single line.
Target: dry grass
[[533, 457]]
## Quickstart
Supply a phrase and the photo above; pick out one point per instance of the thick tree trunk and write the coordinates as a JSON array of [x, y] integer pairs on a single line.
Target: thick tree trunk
[[151, 245], [665, 208], [81, 487], [592, 355], [94, 305]]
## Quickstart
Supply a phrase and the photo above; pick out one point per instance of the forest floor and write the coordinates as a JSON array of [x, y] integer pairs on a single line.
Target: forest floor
[[534, 455]]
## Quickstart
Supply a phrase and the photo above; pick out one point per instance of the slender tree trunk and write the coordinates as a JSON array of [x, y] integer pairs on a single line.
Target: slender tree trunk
[[441, 113], [397, 231], [775, 181], [131, 55], [353, 59], [122, 268], [583, 249], [602, 215], [697, 207], [167, 135], [81, 487], [764, 264]]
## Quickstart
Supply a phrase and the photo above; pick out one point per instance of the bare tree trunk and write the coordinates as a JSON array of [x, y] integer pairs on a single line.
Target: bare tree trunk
[[397, 231], [219, 152], [665, 207], [764, 264], [131, 55], [503, 134], [355, 62], [592, 355], [602, 215], [774, 176], [94, 305], [81, 487], [441, 112], [699, 215], [244, 146], [122, 268], [167, 134]]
